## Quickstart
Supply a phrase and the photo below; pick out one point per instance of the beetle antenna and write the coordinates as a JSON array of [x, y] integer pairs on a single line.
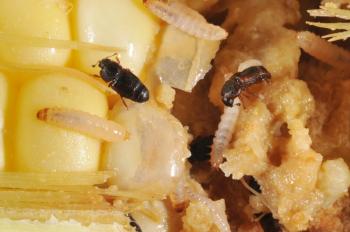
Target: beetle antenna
[[107, 57], [114, 54], [94, 65]]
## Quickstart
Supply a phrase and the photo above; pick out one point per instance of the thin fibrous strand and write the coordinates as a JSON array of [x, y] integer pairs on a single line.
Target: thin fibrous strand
[[56, 205], [334, 26], [128, 194], [324, 51], [224, 132], [84, 123], [260, 196], [186, 19], [255, 193], [10, 195], [330, 10], [53, 180], [331, 26], [151, 214], [86, 217], [337, 36], [247, 186], [54, 43], [259, 217]]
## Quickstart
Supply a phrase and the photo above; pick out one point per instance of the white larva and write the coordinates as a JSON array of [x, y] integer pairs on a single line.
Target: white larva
[[228, 120], [186, 19], [84, 123], [224, 132], [248, 63]]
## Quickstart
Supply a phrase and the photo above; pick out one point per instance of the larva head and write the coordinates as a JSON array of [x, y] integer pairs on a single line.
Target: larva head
[[230, 91], [42, 114]]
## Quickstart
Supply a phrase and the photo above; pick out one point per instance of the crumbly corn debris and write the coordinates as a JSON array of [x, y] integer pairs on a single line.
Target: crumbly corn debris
[[199, 219], [298, 184], [251, 145]]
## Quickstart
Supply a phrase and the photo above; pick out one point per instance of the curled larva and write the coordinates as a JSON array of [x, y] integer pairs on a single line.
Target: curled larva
[[186, 19], [224, 132], [84, 123], [324, 51]]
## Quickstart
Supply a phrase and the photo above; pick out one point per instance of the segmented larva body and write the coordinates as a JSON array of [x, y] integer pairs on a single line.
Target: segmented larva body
[[186, 19], [84, 123], [224, 132]]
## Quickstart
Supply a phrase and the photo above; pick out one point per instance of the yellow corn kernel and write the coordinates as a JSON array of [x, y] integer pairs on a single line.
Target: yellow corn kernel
[[54, 225], [34, 18], [3, 103]]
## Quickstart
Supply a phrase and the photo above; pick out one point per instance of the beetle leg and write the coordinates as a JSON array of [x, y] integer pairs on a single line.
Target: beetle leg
[[124, 103]]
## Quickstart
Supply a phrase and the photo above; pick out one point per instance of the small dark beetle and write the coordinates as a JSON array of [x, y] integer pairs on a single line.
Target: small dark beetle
[[200, 148], [133, 223], [241, 81], [123, 81], [269, 224], [251, 181]]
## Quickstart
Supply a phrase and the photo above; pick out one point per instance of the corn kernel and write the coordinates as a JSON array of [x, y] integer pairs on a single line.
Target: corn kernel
[[34, 18]]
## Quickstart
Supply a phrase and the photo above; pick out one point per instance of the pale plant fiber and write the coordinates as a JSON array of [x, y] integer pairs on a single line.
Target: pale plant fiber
[[332, 10]]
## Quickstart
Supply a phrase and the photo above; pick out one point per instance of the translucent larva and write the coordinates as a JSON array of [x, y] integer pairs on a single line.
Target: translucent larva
[[84, 123], [186, 19], [224, 132]]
